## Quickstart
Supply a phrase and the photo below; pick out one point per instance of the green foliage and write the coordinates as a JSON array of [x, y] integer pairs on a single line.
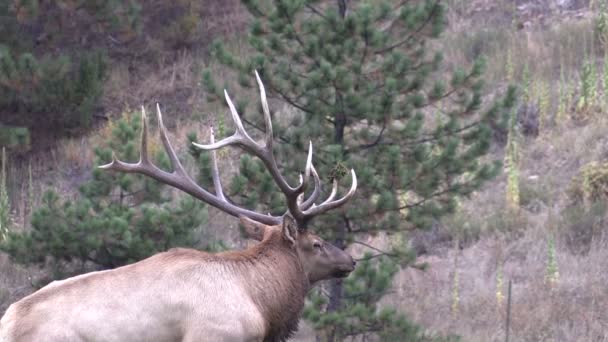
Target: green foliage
[[534, 192], [56, 90], [552, 269], [601, 25], [15, 138], [588, 95], [591, 184], [370, 95], [512, 164], [463, 228], [362, 315], [544, 105], [584, 219], [107, 15], [565, 96], [185, 28], [118, 219], [45, 74]]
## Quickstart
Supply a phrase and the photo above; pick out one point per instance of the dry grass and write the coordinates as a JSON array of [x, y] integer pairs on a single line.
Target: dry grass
[[573, 309], [14, 283], [172, 83], [545, 47]]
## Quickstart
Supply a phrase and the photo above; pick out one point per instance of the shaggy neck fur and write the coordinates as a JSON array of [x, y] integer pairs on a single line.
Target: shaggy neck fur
[[277, 282]]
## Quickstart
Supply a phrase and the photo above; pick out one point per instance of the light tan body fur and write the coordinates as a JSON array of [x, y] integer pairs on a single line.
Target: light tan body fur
[[180, 295]]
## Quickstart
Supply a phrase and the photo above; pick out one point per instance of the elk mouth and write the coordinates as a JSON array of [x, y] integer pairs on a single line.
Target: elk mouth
[[343, 273]]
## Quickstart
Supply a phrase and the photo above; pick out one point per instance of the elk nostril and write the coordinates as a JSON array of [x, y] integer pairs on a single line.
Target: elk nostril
[[354, 263]]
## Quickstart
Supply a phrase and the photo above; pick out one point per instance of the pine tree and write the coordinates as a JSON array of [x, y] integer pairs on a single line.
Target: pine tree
[[366, 89], [61, 92], [118, 218], [45, 78]]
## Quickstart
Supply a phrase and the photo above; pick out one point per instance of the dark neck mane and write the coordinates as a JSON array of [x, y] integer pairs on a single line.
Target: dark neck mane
[[277, 283]]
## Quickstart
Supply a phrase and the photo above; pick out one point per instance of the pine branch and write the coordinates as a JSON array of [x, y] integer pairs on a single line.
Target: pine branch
[[413, 34]]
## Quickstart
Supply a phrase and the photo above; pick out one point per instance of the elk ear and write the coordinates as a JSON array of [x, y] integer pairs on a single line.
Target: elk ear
[[290, 229], [252, 229]]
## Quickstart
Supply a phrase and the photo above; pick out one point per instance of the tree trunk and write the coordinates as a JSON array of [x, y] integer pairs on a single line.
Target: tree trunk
[[336, 288], [342, 7]]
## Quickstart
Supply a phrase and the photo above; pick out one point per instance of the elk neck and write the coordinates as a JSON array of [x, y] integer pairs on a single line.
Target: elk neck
[[276, 281]]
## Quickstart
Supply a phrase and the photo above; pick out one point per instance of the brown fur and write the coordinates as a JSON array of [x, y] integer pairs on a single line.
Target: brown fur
[[272, 268], [275, 275]]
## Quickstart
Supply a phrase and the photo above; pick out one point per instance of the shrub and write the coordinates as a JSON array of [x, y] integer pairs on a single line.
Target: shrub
[[463, 227], [54, 89], [507, 222], [118, 218], [580, 224], [590, 185], [15, 138], [585, 217], [533, 194]]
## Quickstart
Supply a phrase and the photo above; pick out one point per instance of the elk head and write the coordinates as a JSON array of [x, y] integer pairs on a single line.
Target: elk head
[[320, 259]]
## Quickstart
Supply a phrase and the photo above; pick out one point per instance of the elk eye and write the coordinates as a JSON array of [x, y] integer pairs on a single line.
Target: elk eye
[[316, 244]]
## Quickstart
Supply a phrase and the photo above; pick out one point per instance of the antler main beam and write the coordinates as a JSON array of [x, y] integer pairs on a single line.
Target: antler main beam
[[178, 178], [302, 210]]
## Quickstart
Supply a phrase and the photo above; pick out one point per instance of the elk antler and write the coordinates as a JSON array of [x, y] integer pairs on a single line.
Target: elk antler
[[302, 210], [178, 178]]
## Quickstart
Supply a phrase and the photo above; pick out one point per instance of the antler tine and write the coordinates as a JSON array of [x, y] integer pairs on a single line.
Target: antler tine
[[310, 169], [301, 209], [175, 163], [217, 183], [265, 153], [239, 137], [117, 165], [294, 198], [240, 130], [299, 190], [231, 140], [334, 191], [143, 149], [267, 118], [315, 193], [179, 179], [300, 196], [330, 204]]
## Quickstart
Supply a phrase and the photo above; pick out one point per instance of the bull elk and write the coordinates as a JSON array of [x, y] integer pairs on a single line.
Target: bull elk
[[187, 295]]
